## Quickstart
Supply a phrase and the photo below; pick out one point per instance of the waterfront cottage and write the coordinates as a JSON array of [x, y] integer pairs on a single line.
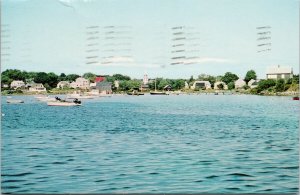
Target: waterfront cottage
[[253, 83], [218, 85], [17, 84], [201, 85], [168, 88], [104, 87], [81, 83], [37, 87], [279, 72], [240, 83], [63, 84]]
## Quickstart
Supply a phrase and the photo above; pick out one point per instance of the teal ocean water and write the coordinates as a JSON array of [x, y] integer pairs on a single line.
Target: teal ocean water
[[152, 144]]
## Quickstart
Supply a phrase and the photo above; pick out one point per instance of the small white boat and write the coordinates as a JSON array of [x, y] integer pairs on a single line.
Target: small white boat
[[46, 99], [58, 103], [14, 101], [78, 96]]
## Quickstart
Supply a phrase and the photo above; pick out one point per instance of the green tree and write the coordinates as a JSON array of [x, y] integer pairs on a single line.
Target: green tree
[[162, 84], [52, 80], [296, 79], [41, 77], [62, 77], [220, 86], [177, 84], [14, 74], [6, 80], [89, 76], [191, 79], [265, 84], [251, 74], [231, 85], [72, 77], [279, 87], [229, 77], [121, 77]]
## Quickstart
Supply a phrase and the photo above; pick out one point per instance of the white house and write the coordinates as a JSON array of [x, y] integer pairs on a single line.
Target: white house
[[201, 84], [240, 83], [63, 84], [37, 87], [17, 84], [93, 85], [278, 72], [218, 83], [81, 83], [253, 83]]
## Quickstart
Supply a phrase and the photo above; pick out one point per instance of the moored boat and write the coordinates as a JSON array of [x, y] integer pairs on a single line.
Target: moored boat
[[158, 93], [155, 92], [60, 102], [296, 98], [14, 101]]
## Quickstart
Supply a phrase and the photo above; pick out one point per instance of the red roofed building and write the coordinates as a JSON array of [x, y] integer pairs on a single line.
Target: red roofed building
[[99, 79]]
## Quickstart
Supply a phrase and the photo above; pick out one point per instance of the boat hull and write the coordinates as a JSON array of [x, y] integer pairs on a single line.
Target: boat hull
[[63, 104], [15, 101], [158, 93]]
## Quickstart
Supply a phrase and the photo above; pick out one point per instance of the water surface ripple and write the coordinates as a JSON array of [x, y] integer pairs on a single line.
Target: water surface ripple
[[152, 144]]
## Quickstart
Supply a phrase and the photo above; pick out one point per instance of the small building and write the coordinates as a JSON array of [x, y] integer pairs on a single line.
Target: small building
[[144, 87], [201, 85], [104, 87], [37, 87], [17, 84], [240, 83], [145, 79], [253, 83], [186, 85], [81, 83], [218, 83], [63, 84], [279, 72], [168, 88]]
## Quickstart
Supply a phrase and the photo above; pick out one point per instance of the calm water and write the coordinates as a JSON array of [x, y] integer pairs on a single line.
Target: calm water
[[150, 144]]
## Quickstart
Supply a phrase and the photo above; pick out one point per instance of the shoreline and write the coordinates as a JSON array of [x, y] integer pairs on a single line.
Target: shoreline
[[210, 92]]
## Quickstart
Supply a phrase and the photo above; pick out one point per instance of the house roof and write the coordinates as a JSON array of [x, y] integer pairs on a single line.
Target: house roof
[[99, 79], [279, 70]]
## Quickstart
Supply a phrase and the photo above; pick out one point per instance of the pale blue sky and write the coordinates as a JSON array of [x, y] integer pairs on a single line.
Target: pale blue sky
[[51, 35]]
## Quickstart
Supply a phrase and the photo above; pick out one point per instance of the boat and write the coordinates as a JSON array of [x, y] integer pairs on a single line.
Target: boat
[[134, 92], [14, 101], [45, 99], [79, 96], [158, 93], [155, 92], [296, 98], [60, 102]]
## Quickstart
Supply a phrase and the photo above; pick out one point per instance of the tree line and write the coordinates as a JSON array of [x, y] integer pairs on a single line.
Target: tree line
[[50, 80]]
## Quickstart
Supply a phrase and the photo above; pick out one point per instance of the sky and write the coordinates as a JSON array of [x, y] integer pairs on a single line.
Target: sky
[[161, 38]]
